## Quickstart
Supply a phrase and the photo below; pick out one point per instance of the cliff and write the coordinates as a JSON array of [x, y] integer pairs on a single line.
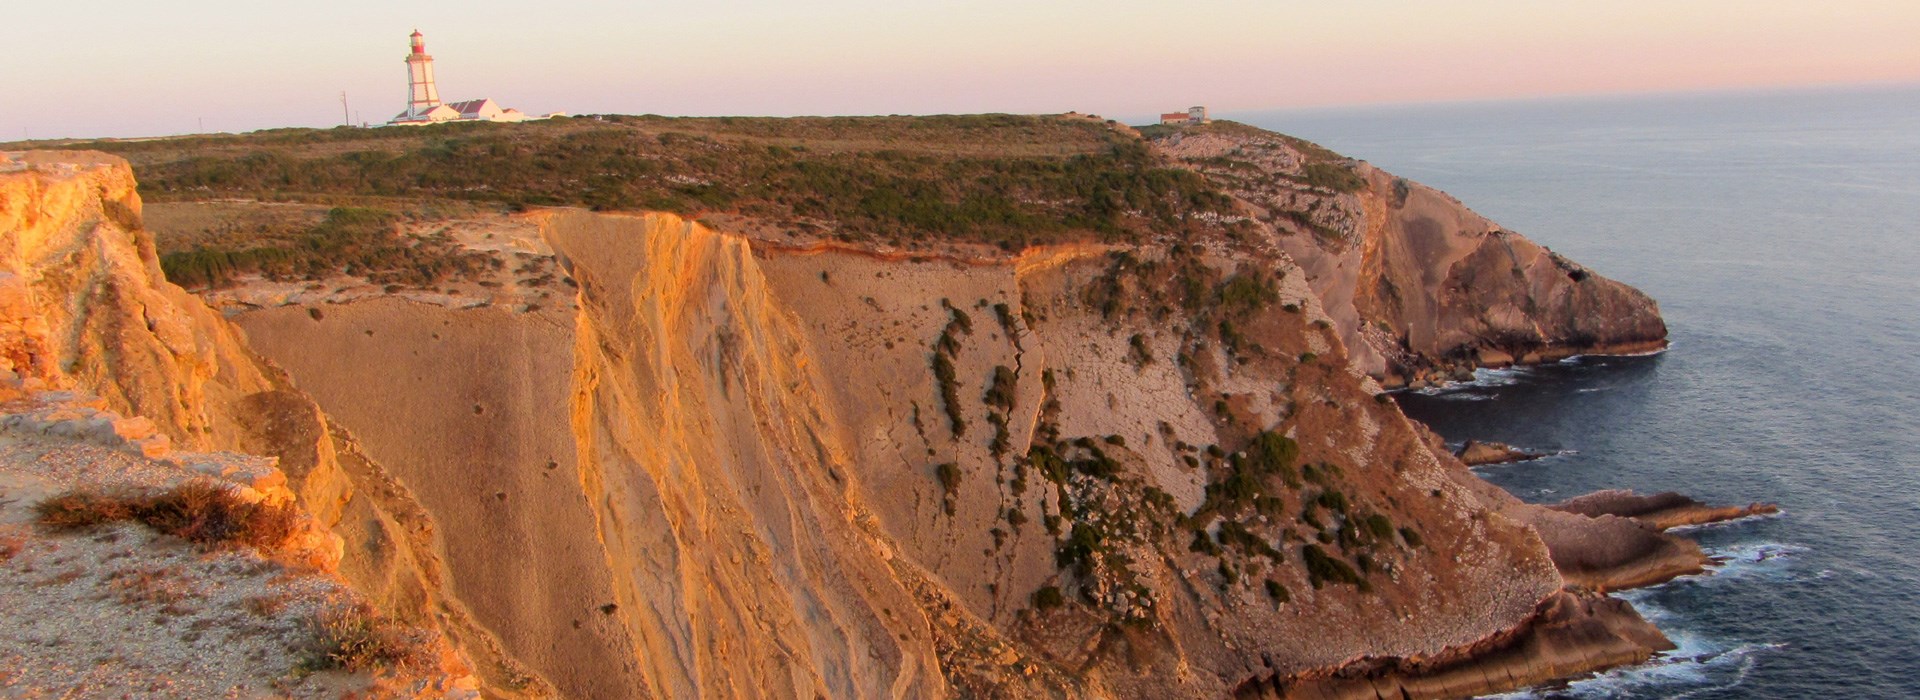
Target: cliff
[[638, 455], [1421, 288], [756, 460], [84, 307]]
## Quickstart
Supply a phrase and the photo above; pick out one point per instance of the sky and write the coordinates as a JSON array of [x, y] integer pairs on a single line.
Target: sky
[[90, 68]]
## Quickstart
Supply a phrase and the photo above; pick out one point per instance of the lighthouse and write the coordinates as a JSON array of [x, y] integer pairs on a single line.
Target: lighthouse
[[422, 96]]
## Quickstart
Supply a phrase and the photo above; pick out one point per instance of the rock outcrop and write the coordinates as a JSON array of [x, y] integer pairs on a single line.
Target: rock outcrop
[[1479, 453], [1421, 288], [1662, 511]]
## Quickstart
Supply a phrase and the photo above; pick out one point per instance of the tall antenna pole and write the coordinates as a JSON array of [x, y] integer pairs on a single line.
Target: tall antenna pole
[[345, 117]]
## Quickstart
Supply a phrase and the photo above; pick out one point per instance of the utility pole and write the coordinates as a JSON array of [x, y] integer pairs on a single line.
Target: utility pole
[[346, 118]]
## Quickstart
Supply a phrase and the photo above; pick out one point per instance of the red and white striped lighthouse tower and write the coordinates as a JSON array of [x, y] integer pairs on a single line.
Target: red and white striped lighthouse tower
[[422, 95]]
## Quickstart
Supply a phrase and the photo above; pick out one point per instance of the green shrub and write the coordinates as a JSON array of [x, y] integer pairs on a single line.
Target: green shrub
[[1411, 537], [1050, 464], [1204, 544], [949, 474], [1048, 598], [945, 375], [1247, 292], [1378, 526], [1333, 176], [1078, 551], [1001, 388], [1278, 591], [1324, 568], [1272, 453], [1142, 353]]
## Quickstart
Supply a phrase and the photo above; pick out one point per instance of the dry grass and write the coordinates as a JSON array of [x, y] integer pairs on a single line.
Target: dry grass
[[201, 512], [12, 541], [78, 510], [161, 587], [266, 605], [355, 638]]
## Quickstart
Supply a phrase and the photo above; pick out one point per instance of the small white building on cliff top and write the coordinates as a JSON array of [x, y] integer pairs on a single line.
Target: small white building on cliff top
[[423, 96], [1193, 115]]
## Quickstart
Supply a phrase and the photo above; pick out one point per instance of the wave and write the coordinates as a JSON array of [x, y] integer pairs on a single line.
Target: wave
[[1575, 359], [1483, 378], [1761, 559], [1697, 664]]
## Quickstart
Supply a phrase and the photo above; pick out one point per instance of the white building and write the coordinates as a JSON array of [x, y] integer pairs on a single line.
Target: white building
[[1193, 115], [423, 97]]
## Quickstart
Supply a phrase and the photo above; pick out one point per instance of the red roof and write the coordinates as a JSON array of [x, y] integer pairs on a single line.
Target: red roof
[[1175, 115]]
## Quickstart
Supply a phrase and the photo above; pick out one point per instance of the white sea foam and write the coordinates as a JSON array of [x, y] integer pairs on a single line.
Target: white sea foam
[[1575, 359], [1758, 559], [1483, 378], [1697, 664]]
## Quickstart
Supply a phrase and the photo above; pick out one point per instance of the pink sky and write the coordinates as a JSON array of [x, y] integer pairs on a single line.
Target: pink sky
[[156, 68]]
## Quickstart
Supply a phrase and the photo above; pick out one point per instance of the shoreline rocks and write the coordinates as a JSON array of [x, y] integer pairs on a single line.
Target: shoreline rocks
[[1572, 633], [1664, 511], [1477, 453]]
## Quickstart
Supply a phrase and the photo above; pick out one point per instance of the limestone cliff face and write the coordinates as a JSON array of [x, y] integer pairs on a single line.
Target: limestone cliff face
[[1421, 287], [83, 304], [735, 469], [731, 469], [79, 274]]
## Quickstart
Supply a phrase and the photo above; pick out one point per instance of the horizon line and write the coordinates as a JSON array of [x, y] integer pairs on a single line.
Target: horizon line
[[1388, 104]]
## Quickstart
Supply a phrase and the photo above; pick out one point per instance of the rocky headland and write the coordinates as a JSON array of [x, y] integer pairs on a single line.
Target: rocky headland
[[770, 452], [1422, 289]]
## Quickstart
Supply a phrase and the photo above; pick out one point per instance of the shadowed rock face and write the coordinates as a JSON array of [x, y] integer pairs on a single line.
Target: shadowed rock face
[[1421, 288]]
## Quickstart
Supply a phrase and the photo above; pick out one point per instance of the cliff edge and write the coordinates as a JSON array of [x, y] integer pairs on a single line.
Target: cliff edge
[[1422, 288]]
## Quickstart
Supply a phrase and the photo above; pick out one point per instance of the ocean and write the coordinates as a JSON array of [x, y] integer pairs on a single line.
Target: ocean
[[1780, 233]]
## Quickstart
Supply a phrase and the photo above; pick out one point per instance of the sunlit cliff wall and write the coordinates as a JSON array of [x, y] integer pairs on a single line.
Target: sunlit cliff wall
[[718, 472]]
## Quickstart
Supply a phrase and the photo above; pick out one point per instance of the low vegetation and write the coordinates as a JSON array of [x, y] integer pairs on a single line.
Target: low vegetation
[[358, 241], [201, 512], [999, 179], [355, 639]]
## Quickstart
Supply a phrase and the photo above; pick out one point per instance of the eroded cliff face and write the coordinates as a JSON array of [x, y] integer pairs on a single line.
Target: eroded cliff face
[[83, 305], [736, 469], [733, 469], [1421, 287]]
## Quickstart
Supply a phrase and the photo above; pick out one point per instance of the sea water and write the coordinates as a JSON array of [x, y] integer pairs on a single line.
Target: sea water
[[1780, 233]]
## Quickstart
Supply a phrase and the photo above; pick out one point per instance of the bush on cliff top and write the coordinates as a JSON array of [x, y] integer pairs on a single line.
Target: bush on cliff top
[[356, 639], [201, 512]]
